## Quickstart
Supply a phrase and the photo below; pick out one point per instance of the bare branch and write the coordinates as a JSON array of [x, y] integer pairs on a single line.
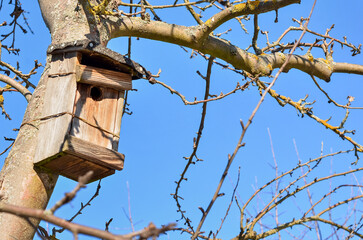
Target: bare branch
[[83, 206], [150, 231], [221, 96], [301, 221], [196, 141], [82, 181], [244, 130], [13, 83], [250, 7], [259, 65]]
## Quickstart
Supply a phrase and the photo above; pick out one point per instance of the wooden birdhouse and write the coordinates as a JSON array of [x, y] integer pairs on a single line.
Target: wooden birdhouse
[[83, 104]]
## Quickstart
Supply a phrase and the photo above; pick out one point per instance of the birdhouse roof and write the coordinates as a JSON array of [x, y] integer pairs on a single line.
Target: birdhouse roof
[[97, 55]]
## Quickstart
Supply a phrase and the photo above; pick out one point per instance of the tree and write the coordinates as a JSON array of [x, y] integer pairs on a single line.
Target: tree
[[100, 22]]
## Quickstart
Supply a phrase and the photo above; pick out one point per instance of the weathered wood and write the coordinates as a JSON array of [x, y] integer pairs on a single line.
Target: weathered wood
[[101, 112], [59, 98], [85, 136], [95, 53], [20, 184], [118, 117], [77, 157], [103, 77], [94, 153], [72, 167]]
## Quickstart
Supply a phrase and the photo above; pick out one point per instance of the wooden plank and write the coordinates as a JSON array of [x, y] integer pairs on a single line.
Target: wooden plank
[[103, 77], [83, 166], [101, 113], [73, 167], [59, 97], [59, 162], [117, 121], [94, 153]]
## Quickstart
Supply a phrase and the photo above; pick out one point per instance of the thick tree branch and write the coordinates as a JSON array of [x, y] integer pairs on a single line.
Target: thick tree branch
[[348, 68], [23, 90], [240, 59], [86, 21], [244, 130], [247, 8]]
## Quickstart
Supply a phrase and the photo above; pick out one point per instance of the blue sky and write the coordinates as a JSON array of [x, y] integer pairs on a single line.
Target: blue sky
[[160, 132]]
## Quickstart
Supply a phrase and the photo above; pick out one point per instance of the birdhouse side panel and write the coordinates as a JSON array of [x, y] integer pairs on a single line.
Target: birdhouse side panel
[[58, 105], [118, 118], [95, 109]]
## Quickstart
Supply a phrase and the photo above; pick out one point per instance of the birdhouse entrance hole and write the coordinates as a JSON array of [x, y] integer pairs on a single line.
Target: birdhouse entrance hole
[[96, 93]]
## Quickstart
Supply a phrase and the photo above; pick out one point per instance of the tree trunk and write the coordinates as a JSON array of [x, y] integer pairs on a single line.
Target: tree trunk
[[70, 20], [20, 184]]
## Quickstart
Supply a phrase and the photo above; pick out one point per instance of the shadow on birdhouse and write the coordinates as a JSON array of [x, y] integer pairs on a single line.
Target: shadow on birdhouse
[[81, 119]]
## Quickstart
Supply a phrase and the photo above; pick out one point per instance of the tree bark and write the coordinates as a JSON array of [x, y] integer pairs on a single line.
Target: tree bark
[[20, 183], [70, 20]]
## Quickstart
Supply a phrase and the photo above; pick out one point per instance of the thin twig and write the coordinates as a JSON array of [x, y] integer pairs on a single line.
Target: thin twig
[[82, 181], [230, 204], [221, 96], [277, 182], [83, 206], [317, 228], [330, 99], [196, 140]]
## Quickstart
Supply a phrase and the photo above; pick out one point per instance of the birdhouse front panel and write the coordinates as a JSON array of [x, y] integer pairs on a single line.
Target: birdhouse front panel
[[96, 109]]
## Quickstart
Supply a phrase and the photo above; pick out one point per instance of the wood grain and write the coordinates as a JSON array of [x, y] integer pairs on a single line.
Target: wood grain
[[73, 167], [78, 157], [94, 153], [69, 146], [103, 77], [100, 112], [118, 118], [59, 97]]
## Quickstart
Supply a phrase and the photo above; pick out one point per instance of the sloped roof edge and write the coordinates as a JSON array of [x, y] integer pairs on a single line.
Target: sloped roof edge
[[111, 59]]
